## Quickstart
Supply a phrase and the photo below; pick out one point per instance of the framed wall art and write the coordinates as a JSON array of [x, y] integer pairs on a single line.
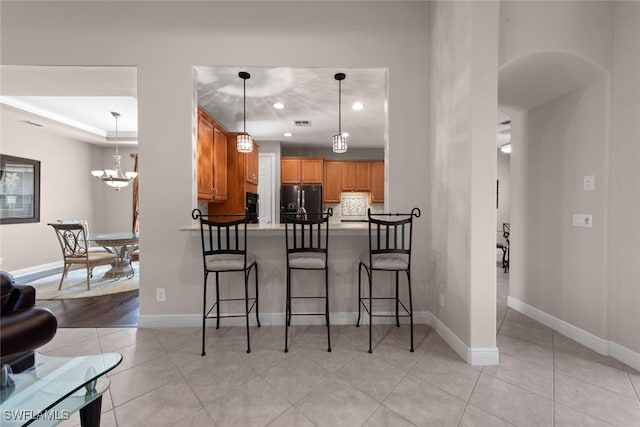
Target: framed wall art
[[19, 190]]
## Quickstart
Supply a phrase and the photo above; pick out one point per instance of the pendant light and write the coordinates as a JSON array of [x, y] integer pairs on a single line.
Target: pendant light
[[339, 140], [115, 178], [244, 142]]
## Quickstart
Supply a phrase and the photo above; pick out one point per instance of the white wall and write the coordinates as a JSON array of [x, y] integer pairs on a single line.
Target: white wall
[[165, 40], [623, 276], [504, 193], [67, 190], [463, 169]]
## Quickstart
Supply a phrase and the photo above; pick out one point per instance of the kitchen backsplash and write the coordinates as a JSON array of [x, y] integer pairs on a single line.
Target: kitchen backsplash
[[353, 206]]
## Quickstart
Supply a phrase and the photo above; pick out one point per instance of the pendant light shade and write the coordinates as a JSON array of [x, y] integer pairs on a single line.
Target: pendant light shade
[[339, 140], [115, 178], [244, 142]]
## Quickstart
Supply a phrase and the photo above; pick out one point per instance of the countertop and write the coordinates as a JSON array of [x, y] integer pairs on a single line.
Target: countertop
[[335, 228]]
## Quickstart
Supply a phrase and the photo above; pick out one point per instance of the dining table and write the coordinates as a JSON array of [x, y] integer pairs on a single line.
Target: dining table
[[121, 245]]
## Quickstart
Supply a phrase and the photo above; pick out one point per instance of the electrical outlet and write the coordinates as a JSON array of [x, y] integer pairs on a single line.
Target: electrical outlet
[[581, 220], [441, 300], [161, 295]]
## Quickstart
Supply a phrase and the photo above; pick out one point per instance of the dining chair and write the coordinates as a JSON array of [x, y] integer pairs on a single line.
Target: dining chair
[[85, 224], [74, 246], [506, 233], [224, 249], [307, 249], [390, 237]]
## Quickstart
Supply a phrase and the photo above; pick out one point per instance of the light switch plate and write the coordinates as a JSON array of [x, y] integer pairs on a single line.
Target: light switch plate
[[582, 220], [589, 183]]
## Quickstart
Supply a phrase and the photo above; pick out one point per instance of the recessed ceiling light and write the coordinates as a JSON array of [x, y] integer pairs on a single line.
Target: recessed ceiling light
[[506, 148], [345, 134], [357, 105], [278, 105], [288, 134]]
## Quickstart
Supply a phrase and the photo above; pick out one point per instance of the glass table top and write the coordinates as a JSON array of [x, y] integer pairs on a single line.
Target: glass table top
[[54, 387]]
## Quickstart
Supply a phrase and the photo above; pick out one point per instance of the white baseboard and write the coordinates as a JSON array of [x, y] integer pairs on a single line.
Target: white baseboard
[[36, 272], [595, 343], [471, 355], [481, 356], [271, 319]]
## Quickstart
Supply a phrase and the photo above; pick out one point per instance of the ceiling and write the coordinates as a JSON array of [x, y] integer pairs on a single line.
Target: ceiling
[[82, 98], [308, 94], [78, 101]]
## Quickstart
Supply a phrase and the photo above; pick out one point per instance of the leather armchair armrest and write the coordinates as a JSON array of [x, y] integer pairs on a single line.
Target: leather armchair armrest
[[26, 330]]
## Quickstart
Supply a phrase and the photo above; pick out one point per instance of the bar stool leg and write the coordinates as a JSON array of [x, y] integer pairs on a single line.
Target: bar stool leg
[[287, 309], [217, 301], [359, 294], [326, 284], [246, 307], [204, 311], [370, 308], [397, 304], [410, 307], [257, 316]]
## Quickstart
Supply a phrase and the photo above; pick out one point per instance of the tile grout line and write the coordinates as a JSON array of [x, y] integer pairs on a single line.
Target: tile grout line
[[633, 387], [466, 405]]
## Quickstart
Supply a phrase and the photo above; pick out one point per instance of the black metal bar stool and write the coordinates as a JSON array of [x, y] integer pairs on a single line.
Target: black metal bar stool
[[307, 250], [389, 250], [225, 250]]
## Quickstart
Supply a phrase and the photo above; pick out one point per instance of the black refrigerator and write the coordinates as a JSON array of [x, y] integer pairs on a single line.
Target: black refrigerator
[[301, 200]]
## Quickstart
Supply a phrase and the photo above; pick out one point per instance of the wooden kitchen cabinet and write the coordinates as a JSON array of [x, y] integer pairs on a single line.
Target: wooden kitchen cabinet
[[299, 170], [212, 160], [251, 165], [205, 157], [219, 165], [356, 176], [332, 187], [377, 182], [290, 170]]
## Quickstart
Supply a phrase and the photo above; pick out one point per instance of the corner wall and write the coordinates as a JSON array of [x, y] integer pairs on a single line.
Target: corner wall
[[464, 171]]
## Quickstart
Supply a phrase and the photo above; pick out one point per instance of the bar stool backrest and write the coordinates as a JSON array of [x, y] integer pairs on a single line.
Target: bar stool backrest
[[222, 234], [391, 233], [303, 232]]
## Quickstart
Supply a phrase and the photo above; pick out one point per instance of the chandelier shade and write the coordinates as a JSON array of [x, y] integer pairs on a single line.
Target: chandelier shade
[[340, 140], [115, 178], [244, 142]]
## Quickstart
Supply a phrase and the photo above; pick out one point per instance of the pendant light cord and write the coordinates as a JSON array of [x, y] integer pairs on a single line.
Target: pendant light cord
[[244, 105], [340, 107]]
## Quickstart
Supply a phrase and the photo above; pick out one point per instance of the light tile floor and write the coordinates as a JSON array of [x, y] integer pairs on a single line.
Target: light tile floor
[[544, 379]]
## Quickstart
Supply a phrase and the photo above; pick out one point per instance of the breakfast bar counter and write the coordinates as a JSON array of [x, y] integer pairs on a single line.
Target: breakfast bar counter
[[348, 241]]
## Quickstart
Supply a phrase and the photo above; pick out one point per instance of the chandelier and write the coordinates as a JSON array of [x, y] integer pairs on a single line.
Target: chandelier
[[115, 178], [244, 143]]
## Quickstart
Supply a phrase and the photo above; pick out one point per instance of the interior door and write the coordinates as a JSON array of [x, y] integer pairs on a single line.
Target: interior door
[[266, 190]]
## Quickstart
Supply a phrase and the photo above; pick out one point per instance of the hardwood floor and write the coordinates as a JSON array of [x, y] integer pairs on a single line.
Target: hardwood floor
[[108, 311]]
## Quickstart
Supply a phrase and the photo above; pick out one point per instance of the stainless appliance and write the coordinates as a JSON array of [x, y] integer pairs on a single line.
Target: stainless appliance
[[300, 199], [253, 208]]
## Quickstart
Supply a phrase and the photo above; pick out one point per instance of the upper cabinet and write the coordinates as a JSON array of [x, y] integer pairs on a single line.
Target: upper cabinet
[[299, 170], [251, 165], [332, 187], [212, 160], [377, 182], [219, 165], [205, 157], [356, 176]]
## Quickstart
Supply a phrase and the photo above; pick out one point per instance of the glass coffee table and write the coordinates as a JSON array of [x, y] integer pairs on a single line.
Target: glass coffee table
[[55, 387]]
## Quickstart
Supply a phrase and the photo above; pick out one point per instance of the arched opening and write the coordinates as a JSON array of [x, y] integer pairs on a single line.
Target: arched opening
[[557, 102]]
